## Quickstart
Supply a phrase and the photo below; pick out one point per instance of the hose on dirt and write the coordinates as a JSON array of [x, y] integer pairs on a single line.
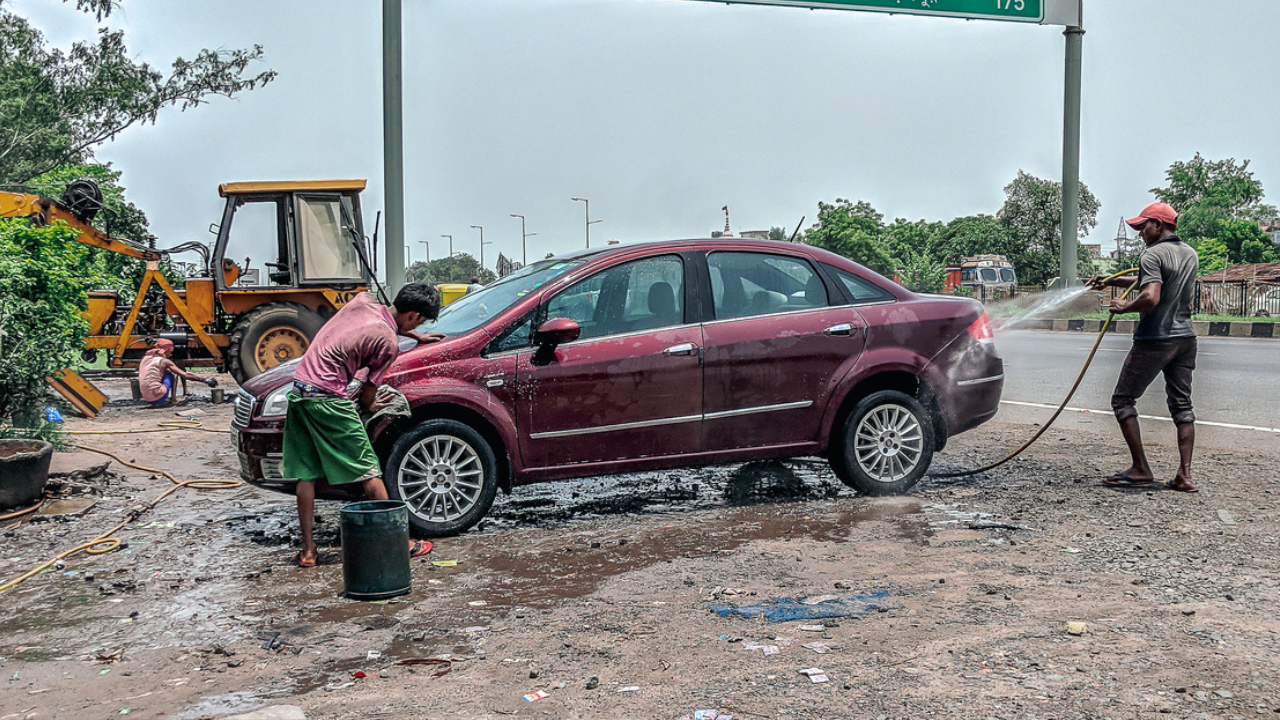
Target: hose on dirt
[[1075, 386], [106, 542]]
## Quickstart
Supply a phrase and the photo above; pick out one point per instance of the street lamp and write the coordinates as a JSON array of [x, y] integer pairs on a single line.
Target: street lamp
[[424, 242], [482, 244], [590, 222], [450, 244], [524, 252]]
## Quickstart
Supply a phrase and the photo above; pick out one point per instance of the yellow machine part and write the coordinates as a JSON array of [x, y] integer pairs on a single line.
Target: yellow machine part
[[451, 291], [81, 393], [102, 305], [199, 296]]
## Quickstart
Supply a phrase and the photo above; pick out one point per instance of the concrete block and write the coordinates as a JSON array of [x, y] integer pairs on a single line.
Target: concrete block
[[1061, 325], [1241, 329]]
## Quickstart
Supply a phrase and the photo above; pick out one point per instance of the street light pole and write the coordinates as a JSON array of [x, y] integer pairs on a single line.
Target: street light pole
[[482, 244], [450, 244], [587, 205], [524, 251], [424, 242]]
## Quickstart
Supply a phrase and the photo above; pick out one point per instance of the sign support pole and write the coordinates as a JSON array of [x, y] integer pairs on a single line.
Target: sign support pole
[[1071, 157], [393, 145]]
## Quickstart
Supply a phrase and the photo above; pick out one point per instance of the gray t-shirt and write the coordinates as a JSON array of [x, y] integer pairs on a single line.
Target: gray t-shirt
[[1173, 264]]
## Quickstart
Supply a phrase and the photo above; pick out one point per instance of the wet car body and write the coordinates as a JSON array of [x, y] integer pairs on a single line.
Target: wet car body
[[665, 355]]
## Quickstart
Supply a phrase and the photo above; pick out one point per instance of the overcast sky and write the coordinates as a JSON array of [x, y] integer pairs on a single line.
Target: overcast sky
[[660, 112]]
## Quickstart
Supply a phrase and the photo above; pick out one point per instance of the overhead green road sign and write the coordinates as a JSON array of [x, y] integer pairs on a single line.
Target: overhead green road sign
[[1044, 12]]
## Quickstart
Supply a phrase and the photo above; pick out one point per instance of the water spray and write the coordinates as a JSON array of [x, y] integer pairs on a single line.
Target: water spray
[[1088, 361]]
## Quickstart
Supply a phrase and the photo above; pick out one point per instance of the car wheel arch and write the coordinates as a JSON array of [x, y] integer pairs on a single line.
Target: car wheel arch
[[459, 413], [890, 378]]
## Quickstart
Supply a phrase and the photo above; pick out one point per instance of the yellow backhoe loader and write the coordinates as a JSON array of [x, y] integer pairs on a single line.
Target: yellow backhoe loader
[[305, 255]]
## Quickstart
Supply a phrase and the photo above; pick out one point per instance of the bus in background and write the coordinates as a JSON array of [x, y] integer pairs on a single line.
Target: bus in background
[[990, 277]]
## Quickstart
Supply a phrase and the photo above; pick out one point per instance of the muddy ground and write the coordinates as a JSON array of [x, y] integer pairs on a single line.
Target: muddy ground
[[602, 593]]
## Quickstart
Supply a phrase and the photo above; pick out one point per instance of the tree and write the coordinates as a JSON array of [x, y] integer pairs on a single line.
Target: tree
[[1032, 212], [1220, 200], [972, 235], [56, 108], [854, 231], [922, 273], [1203, 190], [457, 269], [41, 326], [906, 240]]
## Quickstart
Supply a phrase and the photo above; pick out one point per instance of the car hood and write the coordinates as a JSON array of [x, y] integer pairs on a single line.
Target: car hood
[[260, 385]]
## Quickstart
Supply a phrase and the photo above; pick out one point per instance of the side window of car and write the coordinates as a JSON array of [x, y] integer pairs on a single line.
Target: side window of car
[[744, 284], [640, 295], [860, 291], [519, 335]]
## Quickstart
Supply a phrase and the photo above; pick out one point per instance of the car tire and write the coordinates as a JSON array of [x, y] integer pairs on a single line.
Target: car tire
[[446, 473], [885, 445]]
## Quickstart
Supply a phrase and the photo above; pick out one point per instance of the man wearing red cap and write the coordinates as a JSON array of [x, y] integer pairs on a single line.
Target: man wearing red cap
[[156, 374], [1163, 341]]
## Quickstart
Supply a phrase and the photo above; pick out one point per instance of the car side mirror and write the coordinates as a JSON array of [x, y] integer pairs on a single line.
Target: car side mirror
[[556, 331], [550, 334]]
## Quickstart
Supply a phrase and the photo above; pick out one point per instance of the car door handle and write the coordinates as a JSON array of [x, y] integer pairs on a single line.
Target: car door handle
[[841, 329], [683, 349]]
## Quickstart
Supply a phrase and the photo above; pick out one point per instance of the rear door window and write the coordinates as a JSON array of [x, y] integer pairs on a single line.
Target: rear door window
[[745, 284]]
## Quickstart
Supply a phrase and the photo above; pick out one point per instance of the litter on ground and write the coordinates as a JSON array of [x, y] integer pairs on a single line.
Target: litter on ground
[[786, 610]]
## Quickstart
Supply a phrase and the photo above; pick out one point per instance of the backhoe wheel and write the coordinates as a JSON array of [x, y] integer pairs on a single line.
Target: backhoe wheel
[[446, 473], [268, 336], [885, 446]]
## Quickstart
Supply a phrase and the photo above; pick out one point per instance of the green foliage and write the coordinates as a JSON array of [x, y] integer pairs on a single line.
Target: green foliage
[[1032, 212], [56, 107], [41, 328], [457, 269], [1207, 191], [854, 231], [779, 234], [921, 273], [973, 235], [905, 239], [1213, 255]]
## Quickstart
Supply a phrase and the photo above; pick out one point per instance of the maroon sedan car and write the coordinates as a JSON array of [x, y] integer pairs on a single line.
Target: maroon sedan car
[[664, 355]]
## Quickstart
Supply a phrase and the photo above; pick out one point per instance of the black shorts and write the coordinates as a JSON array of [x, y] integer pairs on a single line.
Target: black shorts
[[1176, 358]]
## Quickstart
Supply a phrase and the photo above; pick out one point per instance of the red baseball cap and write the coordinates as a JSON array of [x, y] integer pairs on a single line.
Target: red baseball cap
[[1155, 211], [164, 344]]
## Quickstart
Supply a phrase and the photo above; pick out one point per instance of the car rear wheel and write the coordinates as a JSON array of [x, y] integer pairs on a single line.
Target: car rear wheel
[[885, 445], [446, 473]]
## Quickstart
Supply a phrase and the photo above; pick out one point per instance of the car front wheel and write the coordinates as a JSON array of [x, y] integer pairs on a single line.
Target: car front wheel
[[446, 473], [885, 445]]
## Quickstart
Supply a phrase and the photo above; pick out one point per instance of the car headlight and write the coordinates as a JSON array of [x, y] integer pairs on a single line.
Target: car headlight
[[276, 403]]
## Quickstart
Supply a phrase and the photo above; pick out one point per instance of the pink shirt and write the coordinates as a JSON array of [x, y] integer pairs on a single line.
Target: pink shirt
[[361, 335], [151, 378]]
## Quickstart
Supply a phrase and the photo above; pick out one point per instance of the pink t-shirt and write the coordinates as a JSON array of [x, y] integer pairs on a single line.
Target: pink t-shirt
[[361, 335], [151, 378]]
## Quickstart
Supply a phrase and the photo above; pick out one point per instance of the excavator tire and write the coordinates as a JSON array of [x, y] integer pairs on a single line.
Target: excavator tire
[[268, 336]]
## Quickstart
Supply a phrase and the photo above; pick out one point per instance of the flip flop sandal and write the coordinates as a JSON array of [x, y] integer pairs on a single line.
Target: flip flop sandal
[[297, 560], [419, 548], [1185, 487], [1123, 480]]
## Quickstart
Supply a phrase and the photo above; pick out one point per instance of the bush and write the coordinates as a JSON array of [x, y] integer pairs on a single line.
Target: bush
[[42, 296]]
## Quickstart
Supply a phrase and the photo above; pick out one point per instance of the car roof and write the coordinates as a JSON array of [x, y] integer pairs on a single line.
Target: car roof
[[697, 243]]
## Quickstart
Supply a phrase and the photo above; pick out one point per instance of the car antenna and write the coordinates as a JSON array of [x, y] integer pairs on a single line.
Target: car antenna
[[797, 232]]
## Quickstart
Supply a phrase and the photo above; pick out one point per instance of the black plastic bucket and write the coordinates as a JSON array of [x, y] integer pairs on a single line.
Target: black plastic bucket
[[375, 549], [24, 469]]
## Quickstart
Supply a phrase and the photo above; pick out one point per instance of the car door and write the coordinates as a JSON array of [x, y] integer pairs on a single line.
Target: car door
[[631, 385], [777, 345]]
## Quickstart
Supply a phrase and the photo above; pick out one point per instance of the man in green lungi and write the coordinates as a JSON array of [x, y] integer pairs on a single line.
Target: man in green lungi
[[323, 435]]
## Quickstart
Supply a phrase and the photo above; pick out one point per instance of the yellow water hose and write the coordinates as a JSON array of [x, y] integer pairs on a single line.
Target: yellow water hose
[[106, 542], [1088, 361]]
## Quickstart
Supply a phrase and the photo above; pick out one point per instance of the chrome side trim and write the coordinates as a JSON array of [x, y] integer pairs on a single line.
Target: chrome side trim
[[762, 409], [670, 421], [979, 381], [612, 428]]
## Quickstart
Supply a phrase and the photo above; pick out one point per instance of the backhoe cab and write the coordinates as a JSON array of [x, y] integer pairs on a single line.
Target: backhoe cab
[[288, 255]]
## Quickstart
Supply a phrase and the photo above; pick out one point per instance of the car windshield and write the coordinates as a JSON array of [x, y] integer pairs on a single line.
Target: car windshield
[[476, 308]]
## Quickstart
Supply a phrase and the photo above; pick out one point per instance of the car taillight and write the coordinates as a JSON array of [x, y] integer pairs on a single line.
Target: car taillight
[[980, 330]]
